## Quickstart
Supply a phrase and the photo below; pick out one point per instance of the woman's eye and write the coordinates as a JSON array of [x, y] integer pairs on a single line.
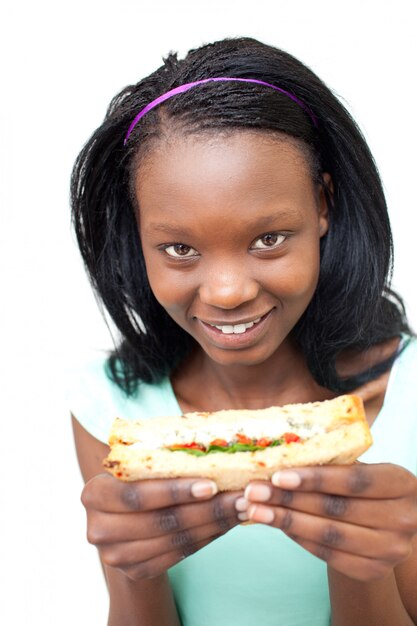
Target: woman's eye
[[180, 250], [268, 241]]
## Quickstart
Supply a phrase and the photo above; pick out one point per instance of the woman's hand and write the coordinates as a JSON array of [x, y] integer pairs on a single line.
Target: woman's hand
[[145, 527], [360, 519]]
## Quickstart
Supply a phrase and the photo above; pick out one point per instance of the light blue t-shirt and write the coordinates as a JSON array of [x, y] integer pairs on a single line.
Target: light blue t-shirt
[[253, 574]]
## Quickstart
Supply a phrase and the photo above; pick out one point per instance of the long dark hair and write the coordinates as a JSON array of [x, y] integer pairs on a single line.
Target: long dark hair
[[353, 306]]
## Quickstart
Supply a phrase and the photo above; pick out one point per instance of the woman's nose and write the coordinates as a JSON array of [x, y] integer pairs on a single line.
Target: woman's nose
[[228, 287]]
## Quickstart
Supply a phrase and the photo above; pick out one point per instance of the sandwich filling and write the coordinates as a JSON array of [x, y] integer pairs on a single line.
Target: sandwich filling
[[240, 443], [250, 435]]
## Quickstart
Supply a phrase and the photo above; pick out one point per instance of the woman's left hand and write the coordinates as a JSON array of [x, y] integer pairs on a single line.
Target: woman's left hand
[[360, 518]]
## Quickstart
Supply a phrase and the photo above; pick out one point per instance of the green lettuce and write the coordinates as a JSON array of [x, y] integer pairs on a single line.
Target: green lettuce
[[234, 447]]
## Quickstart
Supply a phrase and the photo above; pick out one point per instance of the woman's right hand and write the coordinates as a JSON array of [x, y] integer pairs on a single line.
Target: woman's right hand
[[145, 527]]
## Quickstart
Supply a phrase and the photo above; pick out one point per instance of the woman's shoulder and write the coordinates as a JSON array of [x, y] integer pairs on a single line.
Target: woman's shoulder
[[395, 429], [352, 362], [403, 378], [95, 400], [375, 393]]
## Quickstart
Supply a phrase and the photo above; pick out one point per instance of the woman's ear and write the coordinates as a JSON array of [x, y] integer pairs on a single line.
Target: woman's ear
[[326, 190]]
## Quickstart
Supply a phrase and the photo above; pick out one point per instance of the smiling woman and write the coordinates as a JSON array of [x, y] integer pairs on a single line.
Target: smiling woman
[[232, 221]]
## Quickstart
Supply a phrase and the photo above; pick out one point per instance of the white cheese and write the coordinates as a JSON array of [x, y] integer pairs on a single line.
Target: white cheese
[[254, 429]]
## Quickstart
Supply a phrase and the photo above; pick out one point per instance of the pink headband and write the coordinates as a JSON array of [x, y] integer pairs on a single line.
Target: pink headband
[[187, 86]]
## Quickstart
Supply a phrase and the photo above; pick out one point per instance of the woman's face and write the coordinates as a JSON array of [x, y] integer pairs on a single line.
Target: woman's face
[[230, 228]]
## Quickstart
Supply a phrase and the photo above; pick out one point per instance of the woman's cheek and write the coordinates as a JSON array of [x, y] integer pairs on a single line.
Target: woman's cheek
[[293, 278], [173, 290]]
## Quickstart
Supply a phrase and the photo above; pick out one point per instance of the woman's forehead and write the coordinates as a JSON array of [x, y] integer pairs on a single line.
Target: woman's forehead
[[242, 164], [237, 184]]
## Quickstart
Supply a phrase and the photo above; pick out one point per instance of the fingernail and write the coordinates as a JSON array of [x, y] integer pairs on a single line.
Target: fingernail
[[204, 488], [259, 493], [286, 479], [243, 516], [241, 504], [261, 514]]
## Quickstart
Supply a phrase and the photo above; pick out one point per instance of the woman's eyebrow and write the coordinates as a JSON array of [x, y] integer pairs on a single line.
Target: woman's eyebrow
[[265, 220], [170, 229], [257, 223]]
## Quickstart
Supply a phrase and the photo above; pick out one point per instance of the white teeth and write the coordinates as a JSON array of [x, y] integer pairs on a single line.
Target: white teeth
[[227, 330], [238, 329]]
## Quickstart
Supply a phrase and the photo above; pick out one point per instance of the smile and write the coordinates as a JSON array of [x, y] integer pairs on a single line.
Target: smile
[[236, 329], [239, 335]]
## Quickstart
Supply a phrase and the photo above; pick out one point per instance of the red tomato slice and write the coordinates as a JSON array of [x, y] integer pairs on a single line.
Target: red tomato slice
[[219, 442], [290, 438], [192, 446], [243, 439], [264, 442]]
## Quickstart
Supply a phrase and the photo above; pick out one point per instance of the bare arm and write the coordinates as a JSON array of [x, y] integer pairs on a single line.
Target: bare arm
[[132, 602], [364, 603], [141, 602]]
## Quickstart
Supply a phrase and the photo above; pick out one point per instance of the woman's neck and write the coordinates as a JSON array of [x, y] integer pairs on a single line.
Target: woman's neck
[[202, 384]]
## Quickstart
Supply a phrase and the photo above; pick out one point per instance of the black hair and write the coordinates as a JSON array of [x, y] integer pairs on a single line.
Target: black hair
[[353, 306]]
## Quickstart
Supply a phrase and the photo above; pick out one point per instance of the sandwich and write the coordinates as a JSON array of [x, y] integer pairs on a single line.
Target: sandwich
[[233, 447]]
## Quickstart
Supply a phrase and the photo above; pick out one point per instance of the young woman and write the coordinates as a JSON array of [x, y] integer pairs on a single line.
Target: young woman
[[232, 222]]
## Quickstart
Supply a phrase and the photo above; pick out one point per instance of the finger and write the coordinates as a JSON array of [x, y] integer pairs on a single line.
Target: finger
[[360, 480], [356, 567], [130, 553], [106, 493], [350, 538], [362, 511], [106, 528], [160, 564]]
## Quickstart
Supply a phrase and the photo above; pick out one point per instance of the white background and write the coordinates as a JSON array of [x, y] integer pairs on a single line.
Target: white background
[[61, 64]]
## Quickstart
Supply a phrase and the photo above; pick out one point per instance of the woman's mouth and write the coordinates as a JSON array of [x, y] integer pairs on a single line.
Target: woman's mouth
[[235, 335], [236, 329]]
